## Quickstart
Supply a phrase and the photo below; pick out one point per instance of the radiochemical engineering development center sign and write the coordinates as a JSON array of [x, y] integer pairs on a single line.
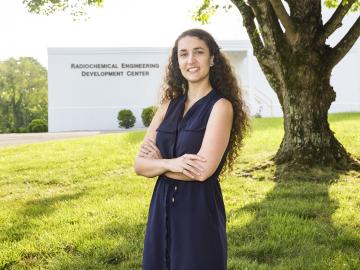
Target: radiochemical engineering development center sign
[[111, 70]]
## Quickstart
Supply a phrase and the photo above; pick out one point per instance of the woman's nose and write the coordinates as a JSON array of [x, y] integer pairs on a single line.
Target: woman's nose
[[191, 58]]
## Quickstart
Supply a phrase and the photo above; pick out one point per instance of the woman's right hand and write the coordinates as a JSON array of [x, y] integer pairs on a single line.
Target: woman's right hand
[[187, 164]]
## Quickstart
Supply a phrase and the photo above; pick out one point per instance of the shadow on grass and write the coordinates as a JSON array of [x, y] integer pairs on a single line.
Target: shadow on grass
[[117, 246], [26, 218], [292, 228]]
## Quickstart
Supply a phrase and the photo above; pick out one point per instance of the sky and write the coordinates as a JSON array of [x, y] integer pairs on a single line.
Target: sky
[[135, 23]]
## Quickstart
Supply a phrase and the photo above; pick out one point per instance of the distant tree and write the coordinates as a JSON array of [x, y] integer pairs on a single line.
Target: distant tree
[[23, 93]]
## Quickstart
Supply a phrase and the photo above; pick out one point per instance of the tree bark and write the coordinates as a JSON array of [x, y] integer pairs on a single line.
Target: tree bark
[[308, 139]]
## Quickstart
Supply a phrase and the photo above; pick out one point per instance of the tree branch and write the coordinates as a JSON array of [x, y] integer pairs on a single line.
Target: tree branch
[[335, 20], [269, 26], [345, 44], [254, 35], [286, 21], [267, 50]]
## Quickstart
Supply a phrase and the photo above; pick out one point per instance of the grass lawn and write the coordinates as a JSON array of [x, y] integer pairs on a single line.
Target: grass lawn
[[77, 204]]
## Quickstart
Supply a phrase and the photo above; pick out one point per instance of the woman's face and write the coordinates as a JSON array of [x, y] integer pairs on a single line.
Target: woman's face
[[194, 59]]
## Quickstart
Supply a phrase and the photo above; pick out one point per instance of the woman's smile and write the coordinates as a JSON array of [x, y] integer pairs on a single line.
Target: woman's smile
[[193, 69]]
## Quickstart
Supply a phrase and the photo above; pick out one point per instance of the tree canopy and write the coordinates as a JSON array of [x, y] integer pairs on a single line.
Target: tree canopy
[[23, 93]]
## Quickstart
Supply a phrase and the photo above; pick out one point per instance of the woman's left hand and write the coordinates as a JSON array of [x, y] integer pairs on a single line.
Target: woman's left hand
[[149, 149]]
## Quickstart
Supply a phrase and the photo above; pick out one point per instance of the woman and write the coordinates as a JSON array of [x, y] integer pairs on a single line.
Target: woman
[[196, 131]]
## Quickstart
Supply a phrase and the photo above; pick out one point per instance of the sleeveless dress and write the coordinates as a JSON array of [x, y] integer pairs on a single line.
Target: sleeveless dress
[[186, 228]]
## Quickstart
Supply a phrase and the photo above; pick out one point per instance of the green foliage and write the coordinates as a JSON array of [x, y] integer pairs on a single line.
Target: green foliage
[[126, 118], [257, 115], [335, 3], [205, 11], [208, 8], [23, 130], [76, 8], [148, 114], [38, 125], [23, 93]]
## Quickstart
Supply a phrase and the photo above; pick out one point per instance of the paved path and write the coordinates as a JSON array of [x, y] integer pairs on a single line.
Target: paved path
[[25, 138]]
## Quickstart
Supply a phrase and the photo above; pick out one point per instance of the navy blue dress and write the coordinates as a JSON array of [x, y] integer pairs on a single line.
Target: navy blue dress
[[186, 228]]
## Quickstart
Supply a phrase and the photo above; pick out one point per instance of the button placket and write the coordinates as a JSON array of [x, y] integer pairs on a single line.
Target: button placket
[[174, 192]]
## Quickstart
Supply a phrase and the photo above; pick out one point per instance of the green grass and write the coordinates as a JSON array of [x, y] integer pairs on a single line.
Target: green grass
[[77, 204]]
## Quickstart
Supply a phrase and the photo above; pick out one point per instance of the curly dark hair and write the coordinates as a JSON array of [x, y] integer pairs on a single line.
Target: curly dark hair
[[223, 79]]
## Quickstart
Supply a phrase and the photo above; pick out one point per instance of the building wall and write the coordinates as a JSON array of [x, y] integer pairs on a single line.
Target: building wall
[[78, 100], [345, 80]]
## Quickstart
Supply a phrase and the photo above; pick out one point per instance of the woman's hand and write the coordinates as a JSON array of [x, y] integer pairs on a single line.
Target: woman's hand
[[149, 149], [187, 164]]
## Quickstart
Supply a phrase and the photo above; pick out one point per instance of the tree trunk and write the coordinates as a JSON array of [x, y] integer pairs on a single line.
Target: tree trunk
[[15, 119], [16, 110], [306, 99], [308, 139]]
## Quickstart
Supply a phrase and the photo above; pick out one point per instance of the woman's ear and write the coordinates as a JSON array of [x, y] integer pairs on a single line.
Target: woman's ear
[[211, 61]]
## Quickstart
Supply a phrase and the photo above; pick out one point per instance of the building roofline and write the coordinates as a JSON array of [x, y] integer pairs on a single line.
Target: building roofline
[[225, 45]]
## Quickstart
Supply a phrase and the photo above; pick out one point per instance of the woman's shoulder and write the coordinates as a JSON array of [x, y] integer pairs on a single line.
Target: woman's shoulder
[[223, 104], [220, 99]]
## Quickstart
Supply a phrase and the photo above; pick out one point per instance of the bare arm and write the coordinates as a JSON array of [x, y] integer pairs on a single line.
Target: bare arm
[[149, 162], [148, 166], [216, 138]]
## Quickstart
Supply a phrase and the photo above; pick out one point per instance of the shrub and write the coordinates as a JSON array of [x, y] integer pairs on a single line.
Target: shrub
[[126, 118], [147, 115], [38, 125], [23, 130], [257, 115]]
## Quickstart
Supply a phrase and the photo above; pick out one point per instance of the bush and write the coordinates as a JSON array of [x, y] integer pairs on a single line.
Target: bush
[[38, 125], [257, 115], [23, 130], [147, 115], [126, 118]]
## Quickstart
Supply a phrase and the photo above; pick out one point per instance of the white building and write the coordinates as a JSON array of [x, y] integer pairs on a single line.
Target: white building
[[88, 86]]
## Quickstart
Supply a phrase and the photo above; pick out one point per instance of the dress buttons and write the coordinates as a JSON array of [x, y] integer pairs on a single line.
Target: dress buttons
[[173, 199], [175, 187]]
